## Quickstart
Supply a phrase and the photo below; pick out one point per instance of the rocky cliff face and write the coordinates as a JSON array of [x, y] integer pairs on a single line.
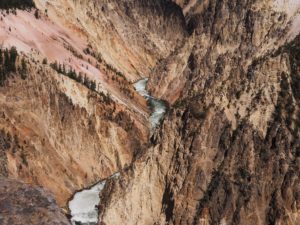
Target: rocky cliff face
[[24, 204], [58, 134], [227, 152], [224, 33], [130, 35]]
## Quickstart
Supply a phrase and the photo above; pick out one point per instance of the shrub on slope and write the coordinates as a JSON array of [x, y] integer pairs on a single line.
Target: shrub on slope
[[19, 4]]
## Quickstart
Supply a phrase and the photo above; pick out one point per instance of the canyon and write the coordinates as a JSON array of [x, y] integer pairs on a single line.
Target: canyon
[[83, 205], [79, 107]]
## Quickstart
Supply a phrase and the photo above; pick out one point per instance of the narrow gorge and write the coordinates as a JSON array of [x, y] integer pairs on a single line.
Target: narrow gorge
[[165, 112], [83, 206]]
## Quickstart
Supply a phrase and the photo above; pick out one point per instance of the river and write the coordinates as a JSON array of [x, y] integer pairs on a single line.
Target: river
[[83, 205], [157, 106]]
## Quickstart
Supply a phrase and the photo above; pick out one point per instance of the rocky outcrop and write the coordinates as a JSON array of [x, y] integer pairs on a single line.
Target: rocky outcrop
[[226, 153], [24, 204]]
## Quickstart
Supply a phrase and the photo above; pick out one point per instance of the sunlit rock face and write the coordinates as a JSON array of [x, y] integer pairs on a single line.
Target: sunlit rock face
[[226, 152], [54, 131], [62, 136], [130, 35], [227, 148]]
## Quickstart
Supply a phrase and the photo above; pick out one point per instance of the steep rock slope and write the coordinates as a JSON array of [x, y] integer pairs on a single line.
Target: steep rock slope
[[49, 42], [130, 35], [221, 31], [24, 204], [55, 132], [228, 150], [58, 134]]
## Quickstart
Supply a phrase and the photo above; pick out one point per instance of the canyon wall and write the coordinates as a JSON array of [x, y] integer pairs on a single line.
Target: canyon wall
[[57, 133], [130, 35], [228, 150]]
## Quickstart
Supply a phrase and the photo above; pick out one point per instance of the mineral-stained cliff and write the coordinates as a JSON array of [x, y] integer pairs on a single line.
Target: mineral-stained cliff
[[131, 35], [228, 150], [56, 133]]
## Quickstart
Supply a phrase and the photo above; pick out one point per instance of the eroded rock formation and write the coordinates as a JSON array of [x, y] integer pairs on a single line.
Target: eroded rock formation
[[130, 35], [226, 152], [58, 134]]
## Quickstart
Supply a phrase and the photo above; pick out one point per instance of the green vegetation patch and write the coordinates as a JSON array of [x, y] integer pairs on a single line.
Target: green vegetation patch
[[71, 73], [8, 65], [16, 4]]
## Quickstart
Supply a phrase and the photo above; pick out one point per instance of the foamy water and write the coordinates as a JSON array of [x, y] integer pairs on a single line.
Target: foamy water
[[84, 205], [158, 107]]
